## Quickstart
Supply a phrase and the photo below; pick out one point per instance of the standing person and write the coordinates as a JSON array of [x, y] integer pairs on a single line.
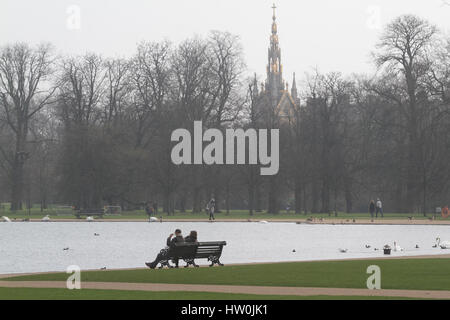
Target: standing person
[[372, 208], [210, 207], [171, 240], [379, 208], [149, 210]]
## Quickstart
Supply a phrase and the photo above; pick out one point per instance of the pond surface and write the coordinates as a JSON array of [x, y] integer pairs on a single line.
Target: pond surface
[[38, 247]]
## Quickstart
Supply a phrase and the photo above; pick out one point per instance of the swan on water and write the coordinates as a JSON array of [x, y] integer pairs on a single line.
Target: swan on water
[[89, 219], [397, 247], [46, 218], [153, 219], [6, 219], [443, 244], [263, 222]]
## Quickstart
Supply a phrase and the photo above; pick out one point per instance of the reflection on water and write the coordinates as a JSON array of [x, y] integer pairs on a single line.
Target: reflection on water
[[37, 247]]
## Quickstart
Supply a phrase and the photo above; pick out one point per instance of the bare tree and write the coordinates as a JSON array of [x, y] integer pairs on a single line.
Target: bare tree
[[23, 93], [404, 49]]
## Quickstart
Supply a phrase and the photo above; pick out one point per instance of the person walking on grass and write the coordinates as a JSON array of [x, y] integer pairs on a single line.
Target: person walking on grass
[[372, 208], [210, 208], [379, 208]]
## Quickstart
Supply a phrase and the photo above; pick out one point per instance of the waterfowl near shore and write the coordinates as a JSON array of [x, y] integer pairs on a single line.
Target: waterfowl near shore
[[443, 244], [397, 247]]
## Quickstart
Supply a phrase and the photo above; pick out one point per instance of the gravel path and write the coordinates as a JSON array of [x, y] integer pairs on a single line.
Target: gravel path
[[259, 290]]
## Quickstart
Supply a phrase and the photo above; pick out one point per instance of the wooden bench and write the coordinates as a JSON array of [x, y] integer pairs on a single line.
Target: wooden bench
[[89, 213], [188, 252]]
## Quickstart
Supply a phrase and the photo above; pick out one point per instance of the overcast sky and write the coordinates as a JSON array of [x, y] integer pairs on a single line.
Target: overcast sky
[[331, 35]]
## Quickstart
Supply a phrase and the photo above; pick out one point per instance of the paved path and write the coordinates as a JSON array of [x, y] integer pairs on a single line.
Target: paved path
[[258, 290]]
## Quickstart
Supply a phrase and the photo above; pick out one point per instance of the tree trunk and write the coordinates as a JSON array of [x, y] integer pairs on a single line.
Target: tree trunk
[[298, 197]]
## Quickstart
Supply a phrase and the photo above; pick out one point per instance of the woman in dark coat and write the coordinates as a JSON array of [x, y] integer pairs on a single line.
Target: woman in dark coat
[[372, 208], [192, 237]]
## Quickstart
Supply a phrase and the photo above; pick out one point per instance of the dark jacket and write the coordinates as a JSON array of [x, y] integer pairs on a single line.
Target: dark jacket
[[190, 239], [372, 207], [149, 210], [172, 241]]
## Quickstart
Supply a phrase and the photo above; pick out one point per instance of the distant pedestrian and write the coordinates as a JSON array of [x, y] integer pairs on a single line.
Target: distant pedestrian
[[210, 208], [149, 210], [372, 208], [379, 208]]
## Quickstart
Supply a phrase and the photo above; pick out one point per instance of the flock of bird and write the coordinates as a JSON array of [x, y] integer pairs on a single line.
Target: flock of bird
[[397, 248]]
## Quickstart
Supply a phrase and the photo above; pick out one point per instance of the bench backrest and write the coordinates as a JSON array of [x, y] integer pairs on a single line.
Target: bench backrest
[[197, 250], [183, 250], [207, 249]]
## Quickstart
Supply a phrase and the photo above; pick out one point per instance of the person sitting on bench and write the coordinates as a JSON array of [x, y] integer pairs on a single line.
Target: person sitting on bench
[[171, 240], [192, 237]]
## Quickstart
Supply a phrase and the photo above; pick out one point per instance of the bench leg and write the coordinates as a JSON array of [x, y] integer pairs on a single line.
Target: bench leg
[[164, 263], [215, 260], [190, 262]]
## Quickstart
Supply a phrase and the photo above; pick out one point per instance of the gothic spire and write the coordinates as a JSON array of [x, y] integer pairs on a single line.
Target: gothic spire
[[294, 92], [274, 82]]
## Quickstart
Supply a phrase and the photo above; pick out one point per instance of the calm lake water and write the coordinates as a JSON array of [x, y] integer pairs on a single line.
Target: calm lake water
[[38, 247]]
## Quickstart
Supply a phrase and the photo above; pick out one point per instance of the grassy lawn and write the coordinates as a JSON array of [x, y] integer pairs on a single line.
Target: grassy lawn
[[413, 274], [90, 294]]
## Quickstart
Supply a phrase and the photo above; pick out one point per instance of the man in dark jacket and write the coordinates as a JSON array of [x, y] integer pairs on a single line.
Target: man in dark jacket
[[171, 240], [163, 255]]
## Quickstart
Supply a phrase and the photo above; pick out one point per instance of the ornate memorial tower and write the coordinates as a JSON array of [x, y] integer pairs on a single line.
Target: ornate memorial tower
[[276, 91]]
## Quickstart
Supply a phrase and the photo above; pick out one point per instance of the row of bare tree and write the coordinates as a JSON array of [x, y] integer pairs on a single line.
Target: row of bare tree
[[89, 131]]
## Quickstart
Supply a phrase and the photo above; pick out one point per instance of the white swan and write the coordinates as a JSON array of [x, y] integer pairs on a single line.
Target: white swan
[[46, 218], [397, 247], [443, 244], [89, 219], [153, 219], [6, 219], [263, 222]]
